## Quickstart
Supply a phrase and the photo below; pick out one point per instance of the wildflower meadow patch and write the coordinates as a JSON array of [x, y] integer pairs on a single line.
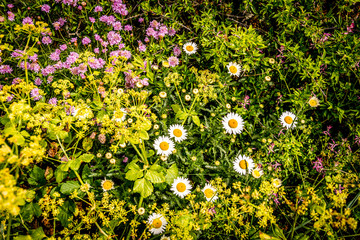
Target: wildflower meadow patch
[[179, 119]]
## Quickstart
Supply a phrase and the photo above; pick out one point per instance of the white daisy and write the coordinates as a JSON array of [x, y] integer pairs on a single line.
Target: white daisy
[[178, 132], [314, 102], [210, 193], [233, 123], [276, 182], [165, 238], [164, 146], [107, 185], [157, 223], [257, 172], [190, 48], [120, 115], [287, 120], [243, 164], [181, 187], [234, 69]]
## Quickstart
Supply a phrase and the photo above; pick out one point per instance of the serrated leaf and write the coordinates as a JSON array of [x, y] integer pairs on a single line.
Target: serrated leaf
[[69, 187], [144, 187]]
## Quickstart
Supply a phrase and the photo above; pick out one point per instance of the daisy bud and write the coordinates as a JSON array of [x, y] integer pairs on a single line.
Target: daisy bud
[[268, 78]]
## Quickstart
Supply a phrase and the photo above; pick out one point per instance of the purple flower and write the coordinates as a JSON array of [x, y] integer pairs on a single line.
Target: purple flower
[[125, 159], [48, 70], [177, 51], [5, 69], [73, 39], [86, 41], [113, 38], [37, 81], [35, 94], [73, 56], [96, 63], [45, 8], [142, 47], [98, 9], [172, 32], [11, 16], [117, 26], [92, 20], [27, 20], [55, 56], [10, 5], [119, 7], [154, 24], [46, 40], [10, 98], [63, 47], [141, 20], [53, 101], [96, 50], [318, 166], [173, 61], [128, 28]]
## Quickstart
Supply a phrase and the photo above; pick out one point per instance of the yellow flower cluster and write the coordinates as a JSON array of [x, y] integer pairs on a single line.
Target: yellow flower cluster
[[11, 196]]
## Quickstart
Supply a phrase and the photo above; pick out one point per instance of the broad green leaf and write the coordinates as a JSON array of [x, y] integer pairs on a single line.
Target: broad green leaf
[[37, 176], [155, 176], [133, 174], [143, 135], [144, 187], [38, 234], [60, 175], [66, 211], [86, 157], [171, 174], [75, 164], [87, 144], [69, 187]]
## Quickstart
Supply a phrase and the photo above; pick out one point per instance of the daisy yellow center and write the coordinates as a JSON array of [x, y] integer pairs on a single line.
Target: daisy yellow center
[[189, 48], [313, 103], [233, 69], [209, 193], [156, 223], [233, 123], [288, 119], [181, 187], [243, 164], [107, 185], [119, 114], [164, 146], [276, 182], [177, 132], [256, 173]]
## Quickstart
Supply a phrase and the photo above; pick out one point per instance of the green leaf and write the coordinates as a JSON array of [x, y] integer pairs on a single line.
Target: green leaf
[[23, 237], [86, 157], [37, 176], [66, 211], [196, 120], [133, 174], [133, 165], [75, 164], [60, 175], [181, 115], [143, 135], [144, 187], [171, 174], [69, 187], [38, 234], [176, 108], [30, 210], [155, 175], [87, 144]]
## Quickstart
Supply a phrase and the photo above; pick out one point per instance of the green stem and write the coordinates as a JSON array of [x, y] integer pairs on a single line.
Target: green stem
[[9, 227], [293, 228], [177, 91], [138, 152], [190, 110], [297, 159]]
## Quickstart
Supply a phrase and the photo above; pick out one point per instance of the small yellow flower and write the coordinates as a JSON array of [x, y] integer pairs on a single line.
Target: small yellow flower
[[314, 102]]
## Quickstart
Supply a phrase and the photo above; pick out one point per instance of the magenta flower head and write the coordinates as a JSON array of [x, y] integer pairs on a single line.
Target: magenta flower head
[[86, 41], [45, 8]]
